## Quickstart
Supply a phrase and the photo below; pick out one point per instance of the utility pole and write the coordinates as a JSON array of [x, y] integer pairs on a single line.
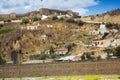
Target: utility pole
[[41, 1]]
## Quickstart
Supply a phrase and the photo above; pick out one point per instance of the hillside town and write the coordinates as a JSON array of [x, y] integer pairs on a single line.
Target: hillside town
[[50, 35], [59, 39]]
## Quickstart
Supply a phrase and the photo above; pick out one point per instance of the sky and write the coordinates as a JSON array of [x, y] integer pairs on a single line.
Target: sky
[[84, 7]]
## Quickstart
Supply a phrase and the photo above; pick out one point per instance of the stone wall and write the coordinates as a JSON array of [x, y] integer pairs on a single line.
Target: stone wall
[[62, 69]]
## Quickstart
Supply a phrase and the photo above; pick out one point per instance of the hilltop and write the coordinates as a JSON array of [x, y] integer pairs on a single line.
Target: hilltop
[[42, 11], [113, 12], [110, 16]]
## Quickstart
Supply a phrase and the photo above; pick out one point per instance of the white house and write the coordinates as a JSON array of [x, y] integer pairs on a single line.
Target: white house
[[1, 22], [101, 30], [61, 51], [68, 16], [29, 27], [47, 52], [32, 26], [115, 42], [60, 16], [15, 21], [111, 42], [49, 26], [44, 17], [102, 43], [38, 52]]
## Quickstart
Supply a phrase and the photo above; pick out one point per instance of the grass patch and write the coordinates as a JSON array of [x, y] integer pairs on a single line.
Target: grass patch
[[5, 30]]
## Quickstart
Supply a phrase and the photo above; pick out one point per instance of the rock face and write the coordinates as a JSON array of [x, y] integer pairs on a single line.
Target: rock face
[[46, 11]]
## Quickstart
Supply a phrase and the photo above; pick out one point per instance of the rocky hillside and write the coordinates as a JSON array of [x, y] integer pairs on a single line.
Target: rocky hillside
[[29, 42], [59, 33], [110, 16]]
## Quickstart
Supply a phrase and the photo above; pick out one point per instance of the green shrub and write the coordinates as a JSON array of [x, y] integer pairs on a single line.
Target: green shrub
[[61, 19], [109, 25], [35, 19], [82, 57], [1, 25], [70, 46], [2, 61], [7, 20], [119, 77], [25, 20], [15, 57], [117, 53], [52, 50], [99, 58], [116, 26], [70, 20], [80, 23], [5, 30], [41, 56], [54, 18]]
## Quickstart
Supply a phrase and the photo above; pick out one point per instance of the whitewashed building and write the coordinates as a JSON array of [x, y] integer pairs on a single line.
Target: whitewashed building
[[111, 42], [61, 51], [49, 26], [44, 17], [101, 30]]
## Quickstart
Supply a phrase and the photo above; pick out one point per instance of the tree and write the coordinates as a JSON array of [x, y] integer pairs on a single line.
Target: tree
[[117, 52], [83, 57], [15, 56], [70, 46], [2, 61], [52, 50], [25, 20], [89, 57]]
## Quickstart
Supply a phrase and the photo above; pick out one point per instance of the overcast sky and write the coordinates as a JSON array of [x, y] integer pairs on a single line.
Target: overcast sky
[[84, 7]]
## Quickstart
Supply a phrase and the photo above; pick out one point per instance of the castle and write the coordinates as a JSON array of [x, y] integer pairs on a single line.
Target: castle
[[42, 11]]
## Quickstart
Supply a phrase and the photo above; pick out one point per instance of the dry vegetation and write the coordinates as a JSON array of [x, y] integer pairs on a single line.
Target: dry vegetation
[[29, 42]]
